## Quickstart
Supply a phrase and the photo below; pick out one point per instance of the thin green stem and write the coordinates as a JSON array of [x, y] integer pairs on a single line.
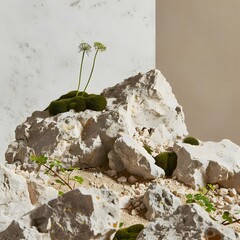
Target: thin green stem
[[94, 60], [58, 176], [80, 73]]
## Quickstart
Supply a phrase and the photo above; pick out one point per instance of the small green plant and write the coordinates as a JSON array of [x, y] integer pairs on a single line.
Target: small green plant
[[191, 140], [76, 100], [203, 200], [167, 161], [129, 233], [54, 167]]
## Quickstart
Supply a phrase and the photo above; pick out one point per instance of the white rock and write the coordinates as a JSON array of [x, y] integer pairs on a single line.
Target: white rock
[[86, 139], [122, 179], [14, 197], [112, 173], [228, 199], [135, 158], [223, 191], [188, 222], [232, 192], [124, 201], [77, 214], [159, 202], [209, 162]]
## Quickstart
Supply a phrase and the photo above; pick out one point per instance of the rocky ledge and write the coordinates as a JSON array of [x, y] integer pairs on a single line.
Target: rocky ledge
[[115, 152]]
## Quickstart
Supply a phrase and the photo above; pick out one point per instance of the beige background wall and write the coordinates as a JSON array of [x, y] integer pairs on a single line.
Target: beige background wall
[[198, 51]]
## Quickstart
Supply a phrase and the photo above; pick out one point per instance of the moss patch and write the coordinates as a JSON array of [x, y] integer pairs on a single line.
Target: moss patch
[[96, 102], [191, 140], [129, 233], [77, 103], [167, 161]]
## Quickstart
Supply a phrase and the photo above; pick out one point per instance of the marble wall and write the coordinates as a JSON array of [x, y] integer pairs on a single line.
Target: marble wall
[[39, 50]]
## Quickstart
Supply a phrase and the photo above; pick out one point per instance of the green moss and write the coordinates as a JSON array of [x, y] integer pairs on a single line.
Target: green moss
[[191, 140], [162, 160], [147, 148], [167, 161], [72, 94], [96, 102], [57, 107], [129, 233], [78, 104]]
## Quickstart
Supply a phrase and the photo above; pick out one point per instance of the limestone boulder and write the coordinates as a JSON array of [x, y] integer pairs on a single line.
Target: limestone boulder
[[20, 192], [83, 213], [159, 202], [187, 222], [129, 155], [209, 162], [14, 196], [142, 107]]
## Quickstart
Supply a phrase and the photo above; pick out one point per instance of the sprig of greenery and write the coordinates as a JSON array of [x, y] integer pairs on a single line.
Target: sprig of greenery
[[54, 167], [99, 47], [202, 199]]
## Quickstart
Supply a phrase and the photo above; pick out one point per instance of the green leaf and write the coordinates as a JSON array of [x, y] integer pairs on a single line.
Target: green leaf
[[189, 196], [226, 216], [60, 193], [210, 186], [72, 168], [78, 179], [39, 160], [121, 224], [198, 196], [59, 181]]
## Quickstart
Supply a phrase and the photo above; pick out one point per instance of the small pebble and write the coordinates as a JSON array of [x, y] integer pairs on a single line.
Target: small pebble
[[134, 212], [141, 186], [223, 191], [142, 206], [220, 204], [132, 179], [112, 173], [232, 192], [228, 199], [137, 192], [122, 179]]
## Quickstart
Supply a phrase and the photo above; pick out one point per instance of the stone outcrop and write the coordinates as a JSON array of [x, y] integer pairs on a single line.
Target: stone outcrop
[[209, 162], [14, 196], [142, 107], [159, 202], [127, 154], [187, 222], [142, 115], [77, 214]]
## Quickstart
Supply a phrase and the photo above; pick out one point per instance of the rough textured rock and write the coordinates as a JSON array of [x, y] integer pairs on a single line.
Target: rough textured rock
[[20, 194], [22, 230], [14, 197], [142, 107], [134, 158], [159, 202], [187, 222], [210, 162], [77, 214]]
